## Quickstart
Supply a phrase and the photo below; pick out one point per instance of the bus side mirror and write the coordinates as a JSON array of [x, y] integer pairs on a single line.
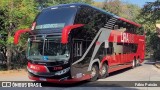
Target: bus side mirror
[[18, 33], [66, 31]]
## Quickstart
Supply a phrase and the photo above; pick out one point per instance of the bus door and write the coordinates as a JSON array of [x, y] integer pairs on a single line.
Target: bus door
[[78, 48]]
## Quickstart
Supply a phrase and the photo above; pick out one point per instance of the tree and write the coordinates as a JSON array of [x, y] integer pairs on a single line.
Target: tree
[[46, 3], [148, 17], [19, 14], [16, 14], [126, 10], [151, 11], [113, 6]]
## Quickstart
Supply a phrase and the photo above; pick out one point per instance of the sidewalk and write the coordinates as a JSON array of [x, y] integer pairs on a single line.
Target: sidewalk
[[14, 75]]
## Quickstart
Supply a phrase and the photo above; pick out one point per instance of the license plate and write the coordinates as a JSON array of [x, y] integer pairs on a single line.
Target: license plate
[[42, 79]]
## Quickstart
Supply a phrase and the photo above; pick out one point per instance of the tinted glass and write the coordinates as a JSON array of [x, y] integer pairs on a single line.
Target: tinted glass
[[49, 49], [55, 18]]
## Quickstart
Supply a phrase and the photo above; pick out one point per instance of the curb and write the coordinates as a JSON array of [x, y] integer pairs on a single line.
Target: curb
[[157, 65]]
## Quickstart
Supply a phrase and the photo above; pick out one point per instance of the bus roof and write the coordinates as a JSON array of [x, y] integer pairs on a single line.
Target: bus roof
[[101, 10]]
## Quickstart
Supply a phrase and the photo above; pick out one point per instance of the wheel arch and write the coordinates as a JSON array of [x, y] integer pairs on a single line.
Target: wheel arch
[[104, 61], [95, 61]]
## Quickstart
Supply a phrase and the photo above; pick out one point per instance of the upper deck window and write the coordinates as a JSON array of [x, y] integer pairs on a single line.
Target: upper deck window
[[55, 18]]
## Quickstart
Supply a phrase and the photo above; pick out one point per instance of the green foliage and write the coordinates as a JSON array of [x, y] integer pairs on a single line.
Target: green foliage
[[148, 17], [151, 11], [126, 10], [10, 40], [15, 14], [19, 14], [155, 45], [46, 3], [113, 6]]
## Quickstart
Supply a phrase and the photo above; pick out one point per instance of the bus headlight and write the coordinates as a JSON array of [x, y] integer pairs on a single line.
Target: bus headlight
[[31, 71], [62, 71]]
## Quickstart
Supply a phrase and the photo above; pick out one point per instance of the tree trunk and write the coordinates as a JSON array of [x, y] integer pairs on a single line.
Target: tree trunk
[[9, 48], [9, 55]]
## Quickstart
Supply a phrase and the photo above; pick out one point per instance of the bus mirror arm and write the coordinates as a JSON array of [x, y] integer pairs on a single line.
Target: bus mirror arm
[[18, 33], [66, 31]]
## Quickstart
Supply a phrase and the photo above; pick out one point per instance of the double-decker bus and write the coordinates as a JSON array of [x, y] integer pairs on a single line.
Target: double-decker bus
[[74, 42]]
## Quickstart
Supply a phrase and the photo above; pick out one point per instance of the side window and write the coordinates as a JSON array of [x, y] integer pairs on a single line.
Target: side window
[[94, 19], [124, 27], [83, 16], [130, 28], [126, 48], [115, 27], [118, 48], [129, 48], [110, 49], [134, 48], [120, 26], [101, 50]]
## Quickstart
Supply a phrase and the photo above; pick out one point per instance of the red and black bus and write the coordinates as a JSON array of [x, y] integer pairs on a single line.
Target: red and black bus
[[74, 42]]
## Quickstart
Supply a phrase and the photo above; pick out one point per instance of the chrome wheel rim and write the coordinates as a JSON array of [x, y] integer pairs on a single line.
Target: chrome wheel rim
[[103, 70], [93, 73]]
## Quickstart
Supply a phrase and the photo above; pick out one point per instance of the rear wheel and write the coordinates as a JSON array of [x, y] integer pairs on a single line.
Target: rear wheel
[[138, 62], [94, 73], [104, 71]]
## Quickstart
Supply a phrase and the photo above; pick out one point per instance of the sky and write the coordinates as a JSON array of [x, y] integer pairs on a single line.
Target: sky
[[137, 2]]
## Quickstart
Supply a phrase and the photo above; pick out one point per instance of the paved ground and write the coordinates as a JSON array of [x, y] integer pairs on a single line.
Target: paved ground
[[146, 72], [14, 75]]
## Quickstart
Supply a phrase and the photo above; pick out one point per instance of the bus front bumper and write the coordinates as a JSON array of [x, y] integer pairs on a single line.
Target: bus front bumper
[[67, 81]]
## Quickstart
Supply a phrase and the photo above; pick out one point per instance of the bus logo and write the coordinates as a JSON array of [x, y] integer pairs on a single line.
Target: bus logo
[[124, 37]]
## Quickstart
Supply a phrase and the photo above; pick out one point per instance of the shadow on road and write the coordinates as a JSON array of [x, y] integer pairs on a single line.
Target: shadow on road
[[90, 84], [84, 83], [119, 71], [96, 83]]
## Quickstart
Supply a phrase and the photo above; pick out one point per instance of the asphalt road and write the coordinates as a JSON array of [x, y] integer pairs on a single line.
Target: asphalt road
[[117, 80]]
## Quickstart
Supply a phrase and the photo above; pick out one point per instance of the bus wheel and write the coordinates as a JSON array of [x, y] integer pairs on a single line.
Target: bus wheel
[[137, 62], [94, 73], [104, 71], [133, 63]]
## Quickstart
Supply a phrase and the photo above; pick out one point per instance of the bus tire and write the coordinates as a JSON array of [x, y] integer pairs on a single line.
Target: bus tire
[[104, 71], [138, 62], [94, 73], [133, 64]]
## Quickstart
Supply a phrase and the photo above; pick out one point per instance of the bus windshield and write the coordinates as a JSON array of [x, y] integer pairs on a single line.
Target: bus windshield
[[55, 18], [48, 49]]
